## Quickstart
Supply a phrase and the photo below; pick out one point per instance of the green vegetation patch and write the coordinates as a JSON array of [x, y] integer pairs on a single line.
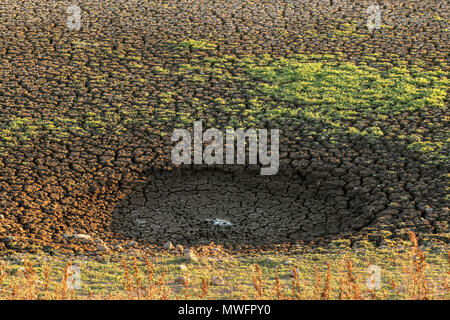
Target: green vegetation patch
[[347, 90], [344, 97], [197, 44]]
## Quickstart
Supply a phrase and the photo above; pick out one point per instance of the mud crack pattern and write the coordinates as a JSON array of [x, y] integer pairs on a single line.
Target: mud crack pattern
[[86, 118]]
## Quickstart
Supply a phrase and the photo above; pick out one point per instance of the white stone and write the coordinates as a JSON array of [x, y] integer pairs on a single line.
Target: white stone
[[220, 222], [102, 247], [168, 245], [131, 243], [182, 280], [182, 267], [190, 255], [292, 273], [84, 238], [217, 281]]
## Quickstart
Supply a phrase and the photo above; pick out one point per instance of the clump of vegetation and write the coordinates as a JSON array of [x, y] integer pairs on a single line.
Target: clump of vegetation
[[196, 44], [340, 95], [340, 90]]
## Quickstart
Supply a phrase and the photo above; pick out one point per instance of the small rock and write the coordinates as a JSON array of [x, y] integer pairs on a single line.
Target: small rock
[[288, 262], [293, 272], [168, 245], [217, 281], [98, 241], [190, 255], [100, 258], [182, 280], [117, 247], [222, 223], [435, 248], [131, 243], [270, 260], [182, 267], [102, 247], [2, 217], [7, 239], [83, 238], [67, 235], [21, 271]]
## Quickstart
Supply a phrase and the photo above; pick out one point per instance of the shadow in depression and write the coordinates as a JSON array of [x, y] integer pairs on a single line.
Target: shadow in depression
[[237, 207]]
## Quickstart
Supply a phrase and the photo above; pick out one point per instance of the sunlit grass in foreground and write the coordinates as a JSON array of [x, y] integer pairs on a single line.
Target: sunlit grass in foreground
[[337, 272]]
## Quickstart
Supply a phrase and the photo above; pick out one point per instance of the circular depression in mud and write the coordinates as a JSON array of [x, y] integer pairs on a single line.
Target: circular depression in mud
[[197, 207]]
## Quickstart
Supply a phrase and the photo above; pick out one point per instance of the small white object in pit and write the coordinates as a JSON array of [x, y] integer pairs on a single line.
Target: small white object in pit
[[220, 222]]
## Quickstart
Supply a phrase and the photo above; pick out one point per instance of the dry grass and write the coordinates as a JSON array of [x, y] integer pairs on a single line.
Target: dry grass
[[344, 278]]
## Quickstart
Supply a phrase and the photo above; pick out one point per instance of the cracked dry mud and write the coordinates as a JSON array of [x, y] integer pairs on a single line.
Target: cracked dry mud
[[201, 206], [86, 119]]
